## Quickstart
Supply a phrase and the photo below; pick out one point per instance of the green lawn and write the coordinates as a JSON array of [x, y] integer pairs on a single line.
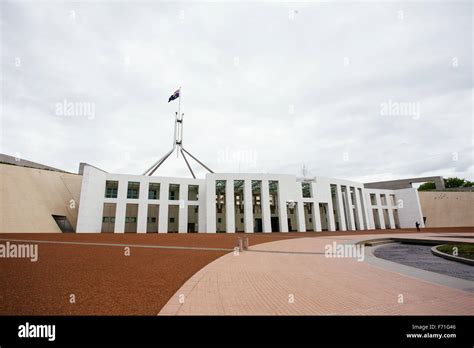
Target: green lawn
[[464, 250]]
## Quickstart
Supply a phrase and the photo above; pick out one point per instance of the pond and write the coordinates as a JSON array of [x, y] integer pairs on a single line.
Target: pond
[[420, 256]]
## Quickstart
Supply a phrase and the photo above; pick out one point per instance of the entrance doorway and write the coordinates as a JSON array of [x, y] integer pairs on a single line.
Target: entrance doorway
[[275, 224], [375, 212], [323, 213]]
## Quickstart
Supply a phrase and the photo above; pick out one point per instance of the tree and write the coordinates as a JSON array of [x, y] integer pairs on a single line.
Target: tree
[[454, 182], [427, 186]]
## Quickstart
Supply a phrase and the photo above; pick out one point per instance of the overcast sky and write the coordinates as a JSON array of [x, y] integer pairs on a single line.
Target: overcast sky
[[367, 91]]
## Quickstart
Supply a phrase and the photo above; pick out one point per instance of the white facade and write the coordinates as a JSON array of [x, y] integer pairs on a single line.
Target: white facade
[[246, 203]]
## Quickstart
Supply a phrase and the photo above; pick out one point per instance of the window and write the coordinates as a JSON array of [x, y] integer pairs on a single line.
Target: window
[[174, 192], [306, 188], [219, 220], [133, 189], [373, 201], [353, 197], [153, 212], [108, 217], [383, 199], [193, 192], [153, 191], [273, 192], [392, 199], [256, 193], [127, 220], [220, 196], [171, 220], [111, 188]]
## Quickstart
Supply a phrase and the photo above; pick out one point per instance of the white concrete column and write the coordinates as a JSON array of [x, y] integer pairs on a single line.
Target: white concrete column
[[332, 222], [359, 209], [340, 204], [142, 207], [202, 209], [317, 217], [380, 211], [183, 209], [300, 220], [316, 214], [211, 205], [365, 208], [370, 212], [383, 223], [283, 212], [265, 206], [371, 219], [163, 218], [349, 204], [229, 206], [248, 211], [121, 206], [391, 219]]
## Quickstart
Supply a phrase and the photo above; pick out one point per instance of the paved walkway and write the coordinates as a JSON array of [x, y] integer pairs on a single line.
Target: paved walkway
[[305, 282]]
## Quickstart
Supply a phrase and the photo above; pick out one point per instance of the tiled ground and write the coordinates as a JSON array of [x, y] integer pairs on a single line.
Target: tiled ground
[[270, 283]]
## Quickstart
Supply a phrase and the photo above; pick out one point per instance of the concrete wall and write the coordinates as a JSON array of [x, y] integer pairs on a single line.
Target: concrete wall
[[409, 208], [354, 210], [406, 183], [29, 197], [406, 204], [447, 209], [93, 199]]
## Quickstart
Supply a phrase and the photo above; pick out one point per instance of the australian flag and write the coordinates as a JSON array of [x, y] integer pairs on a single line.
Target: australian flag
[[174, 96]]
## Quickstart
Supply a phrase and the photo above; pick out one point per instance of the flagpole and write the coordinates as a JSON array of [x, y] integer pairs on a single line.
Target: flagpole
[[179, 117], [177, 143]]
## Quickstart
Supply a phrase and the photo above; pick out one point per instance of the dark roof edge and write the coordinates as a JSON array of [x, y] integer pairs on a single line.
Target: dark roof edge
[[20, 162]]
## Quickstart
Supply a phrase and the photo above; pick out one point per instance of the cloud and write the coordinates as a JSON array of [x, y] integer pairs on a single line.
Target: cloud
[[265, 89]]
